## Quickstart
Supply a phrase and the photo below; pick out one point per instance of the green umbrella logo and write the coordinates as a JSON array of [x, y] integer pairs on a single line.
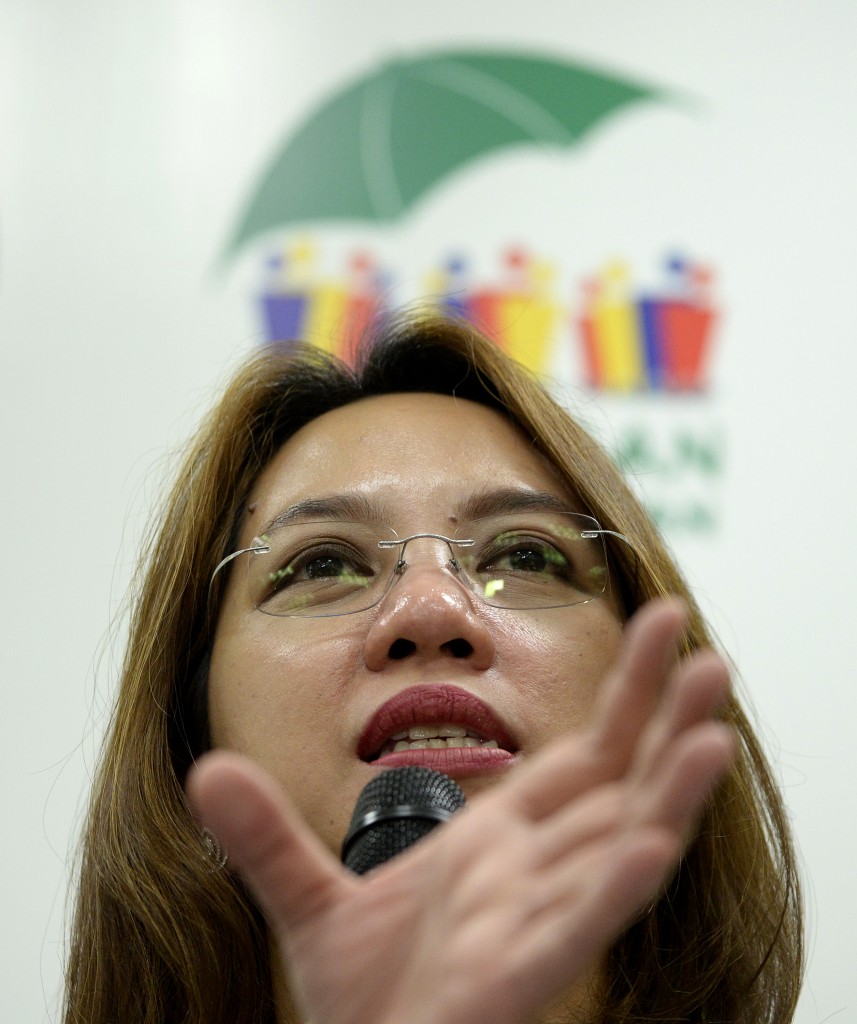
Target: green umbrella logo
[[373, 150]]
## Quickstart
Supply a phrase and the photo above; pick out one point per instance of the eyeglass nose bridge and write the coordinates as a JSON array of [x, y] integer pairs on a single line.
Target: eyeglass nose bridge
[[401, 564]]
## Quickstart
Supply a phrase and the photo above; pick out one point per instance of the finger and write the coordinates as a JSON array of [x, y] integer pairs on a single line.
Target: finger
[[702, 687], [585, 905], [289, 871], [630, 693], [635, 685], [674, 796], [581, 822], [611, 878], [559, 774], [698, 688]]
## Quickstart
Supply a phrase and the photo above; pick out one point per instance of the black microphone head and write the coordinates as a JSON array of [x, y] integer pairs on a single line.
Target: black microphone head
[[395, 810]]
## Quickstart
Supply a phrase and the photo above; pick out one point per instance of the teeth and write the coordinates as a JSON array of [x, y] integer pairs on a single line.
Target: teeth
[[422, 732], [434, 737], [429, 732], [440, 743]]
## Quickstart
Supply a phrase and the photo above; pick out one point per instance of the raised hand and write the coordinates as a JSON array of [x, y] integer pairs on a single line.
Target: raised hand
[[505, 907]]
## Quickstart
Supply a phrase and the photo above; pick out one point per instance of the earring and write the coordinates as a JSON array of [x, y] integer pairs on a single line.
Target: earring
[[214, 852]]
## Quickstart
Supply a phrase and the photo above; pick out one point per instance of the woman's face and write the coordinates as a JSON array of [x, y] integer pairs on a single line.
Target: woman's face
[[316, 700]]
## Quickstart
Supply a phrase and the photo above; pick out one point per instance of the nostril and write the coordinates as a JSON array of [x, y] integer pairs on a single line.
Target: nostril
[[401, 649], [459, 648]]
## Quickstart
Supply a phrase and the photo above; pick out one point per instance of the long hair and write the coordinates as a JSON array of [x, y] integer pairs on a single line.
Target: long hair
[[159, 937]]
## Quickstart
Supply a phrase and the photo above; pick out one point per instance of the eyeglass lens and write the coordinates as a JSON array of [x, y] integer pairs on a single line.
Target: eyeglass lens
[[522, 560]]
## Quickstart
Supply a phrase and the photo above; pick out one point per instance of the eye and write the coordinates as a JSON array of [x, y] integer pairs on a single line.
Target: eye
[[325, 565], [322, 563], [515, 553]]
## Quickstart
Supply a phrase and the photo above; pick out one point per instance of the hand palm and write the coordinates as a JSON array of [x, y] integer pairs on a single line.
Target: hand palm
[[503, 908]]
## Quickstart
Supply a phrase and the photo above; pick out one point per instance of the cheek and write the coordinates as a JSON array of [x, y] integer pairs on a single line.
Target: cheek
[[275, 693], [279, 700], [559, 663]]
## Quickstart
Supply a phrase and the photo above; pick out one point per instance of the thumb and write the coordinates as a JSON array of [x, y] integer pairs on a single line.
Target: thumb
[[292, 875]]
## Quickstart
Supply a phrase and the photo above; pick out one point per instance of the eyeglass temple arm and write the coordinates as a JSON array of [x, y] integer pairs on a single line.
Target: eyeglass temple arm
[[258, 546], [586, 534]]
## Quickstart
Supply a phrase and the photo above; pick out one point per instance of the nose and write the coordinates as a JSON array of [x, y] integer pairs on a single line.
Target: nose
[[429, 615]]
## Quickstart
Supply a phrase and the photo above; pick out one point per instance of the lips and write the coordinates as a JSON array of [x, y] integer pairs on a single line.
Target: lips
[[437, 705]]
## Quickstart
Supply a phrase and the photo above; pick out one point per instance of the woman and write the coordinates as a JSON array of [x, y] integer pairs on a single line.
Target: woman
[[629, 859]]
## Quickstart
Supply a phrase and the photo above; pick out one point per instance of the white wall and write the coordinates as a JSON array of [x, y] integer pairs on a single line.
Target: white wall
[[131, 136]]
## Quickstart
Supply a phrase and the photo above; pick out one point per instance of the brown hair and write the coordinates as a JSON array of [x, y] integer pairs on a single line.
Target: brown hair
[[160, 937]]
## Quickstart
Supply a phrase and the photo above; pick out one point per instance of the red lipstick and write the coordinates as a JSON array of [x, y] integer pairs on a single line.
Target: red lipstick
[[437, 705]]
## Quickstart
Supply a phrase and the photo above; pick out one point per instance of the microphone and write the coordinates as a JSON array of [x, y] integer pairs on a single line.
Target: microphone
[[395, 810]]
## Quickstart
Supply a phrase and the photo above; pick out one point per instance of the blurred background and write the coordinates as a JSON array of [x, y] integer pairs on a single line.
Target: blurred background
[[652, 204]]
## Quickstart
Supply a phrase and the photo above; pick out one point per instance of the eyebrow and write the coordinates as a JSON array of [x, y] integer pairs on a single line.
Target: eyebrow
[[503, 500], [347, 505], [358, 508]]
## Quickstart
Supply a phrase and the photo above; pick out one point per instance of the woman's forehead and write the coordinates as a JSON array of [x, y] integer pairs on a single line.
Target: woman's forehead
[[400, 453]]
